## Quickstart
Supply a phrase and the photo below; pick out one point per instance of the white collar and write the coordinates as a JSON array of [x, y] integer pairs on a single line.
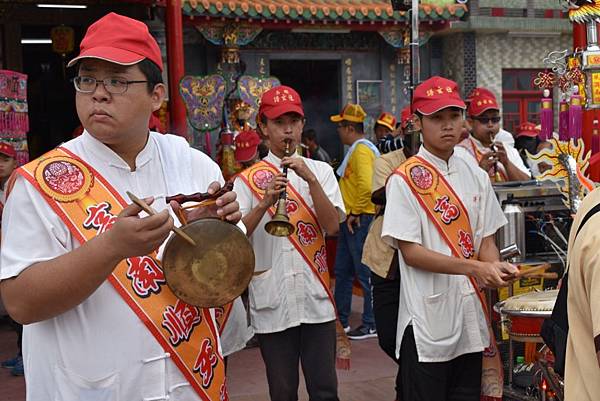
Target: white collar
[[107, 155], [478, 143], [440, 164], [271, 158]]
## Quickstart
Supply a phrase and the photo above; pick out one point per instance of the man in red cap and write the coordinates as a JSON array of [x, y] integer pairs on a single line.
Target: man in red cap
[[441, 214], [291, 307], [503, 135], [78, 264], [501, 161]]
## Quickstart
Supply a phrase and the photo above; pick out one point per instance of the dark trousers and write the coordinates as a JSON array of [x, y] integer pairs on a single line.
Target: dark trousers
[[348, 264], [19, 329], [313, 345], [455, 380], [386, 295]]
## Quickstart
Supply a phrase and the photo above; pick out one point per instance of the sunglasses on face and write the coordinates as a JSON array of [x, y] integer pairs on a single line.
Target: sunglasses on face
[[487, 120]]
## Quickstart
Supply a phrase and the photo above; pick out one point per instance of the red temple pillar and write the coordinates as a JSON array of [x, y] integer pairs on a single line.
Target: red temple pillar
[[176, 70]]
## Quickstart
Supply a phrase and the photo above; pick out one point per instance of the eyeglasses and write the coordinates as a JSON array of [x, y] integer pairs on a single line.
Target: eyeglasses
[[487, 120], [112, 85]]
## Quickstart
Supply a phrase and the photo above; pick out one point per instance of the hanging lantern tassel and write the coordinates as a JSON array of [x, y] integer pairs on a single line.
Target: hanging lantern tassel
[[563, 121], [575, 117], [547, 117], [207, 143]]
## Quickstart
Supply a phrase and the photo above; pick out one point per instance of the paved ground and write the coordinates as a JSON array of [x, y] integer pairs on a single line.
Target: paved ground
[[370, 378]]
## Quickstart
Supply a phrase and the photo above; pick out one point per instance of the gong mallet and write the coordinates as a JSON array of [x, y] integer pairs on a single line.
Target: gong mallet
[[148, 209]]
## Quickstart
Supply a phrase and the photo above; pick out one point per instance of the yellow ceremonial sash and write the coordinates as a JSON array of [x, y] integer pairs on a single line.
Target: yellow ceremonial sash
[[222, 314], [88, 205], [501, 175], [450, 217], [308, 239]]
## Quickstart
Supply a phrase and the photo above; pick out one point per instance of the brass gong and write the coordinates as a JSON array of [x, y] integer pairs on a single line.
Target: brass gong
[[213, 272]]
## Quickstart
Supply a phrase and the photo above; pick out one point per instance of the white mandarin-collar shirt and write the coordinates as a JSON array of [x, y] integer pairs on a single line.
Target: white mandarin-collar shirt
[[511, 152], [100, 349], [444, 309], [287, 292]]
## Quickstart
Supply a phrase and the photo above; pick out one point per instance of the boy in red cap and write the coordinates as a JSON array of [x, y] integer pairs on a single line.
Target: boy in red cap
[[291, 307], [441, 215], [501, 161], [246, 148], [78, 265]]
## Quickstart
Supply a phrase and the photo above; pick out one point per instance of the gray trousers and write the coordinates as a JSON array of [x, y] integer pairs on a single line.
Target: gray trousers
[[312, 345]]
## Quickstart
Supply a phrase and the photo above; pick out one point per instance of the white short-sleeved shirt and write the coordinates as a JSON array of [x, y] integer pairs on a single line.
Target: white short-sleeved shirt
[[505, 137], [100, 349], [511, 152], [287, 292], [444, 310]]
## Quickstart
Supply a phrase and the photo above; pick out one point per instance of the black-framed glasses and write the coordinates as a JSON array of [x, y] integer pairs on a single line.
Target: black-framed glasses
[[112, 85], [487, 120]]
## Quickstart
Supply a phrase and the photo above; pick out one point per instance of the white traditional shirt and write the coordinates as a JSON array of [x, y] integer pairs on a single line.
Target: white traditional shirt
[[511, 152], [99, 350], [287, 292], [444, 309]]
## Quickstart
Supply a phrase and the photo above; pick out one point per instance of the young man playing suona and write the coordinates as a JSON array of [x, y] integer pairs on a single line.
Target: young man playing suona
[[502, 162], [79, 267], [291, 307], [441, 215]]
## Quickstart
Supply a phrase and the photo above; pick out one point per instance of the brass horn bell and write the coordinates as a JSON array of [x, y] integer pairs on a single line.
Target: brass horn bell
[[280, 225]]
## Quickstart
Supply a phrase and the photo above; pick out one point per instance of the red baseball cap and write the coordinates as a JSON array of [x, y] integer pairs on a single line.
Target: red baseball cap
[[120, 40], [246, 145], [435, 94], [280, 100], [528, 129], [405, 116], [480, 91], [8, 150], [482, 103]]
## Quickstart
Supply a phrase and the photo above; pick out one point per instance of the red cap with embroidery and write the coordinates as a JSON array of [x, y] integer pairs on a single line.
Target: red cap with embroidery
[[436, 94], [481, 104], [246, 145], [8, 150], [480, 91], [528, 129], [280, 100], [120, 40]]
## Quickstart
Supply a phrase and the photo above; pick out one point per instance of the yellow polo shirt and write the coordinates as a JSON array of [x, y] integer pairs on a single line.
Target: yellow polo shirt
[[356, 182]]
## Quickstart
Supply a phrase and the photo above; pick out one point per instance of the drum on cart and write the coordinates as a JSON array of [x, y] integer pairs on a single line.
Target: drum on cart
[[526, 313]]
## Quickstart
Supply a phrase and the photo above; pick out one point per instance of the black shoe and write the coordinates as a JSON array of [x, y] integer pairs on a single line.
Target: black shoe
[[361, 333]]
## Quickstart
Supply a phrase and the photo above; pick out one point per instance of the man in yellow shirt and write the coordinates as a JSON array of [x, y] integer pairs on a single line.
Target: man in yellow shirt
[[356, 172]]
